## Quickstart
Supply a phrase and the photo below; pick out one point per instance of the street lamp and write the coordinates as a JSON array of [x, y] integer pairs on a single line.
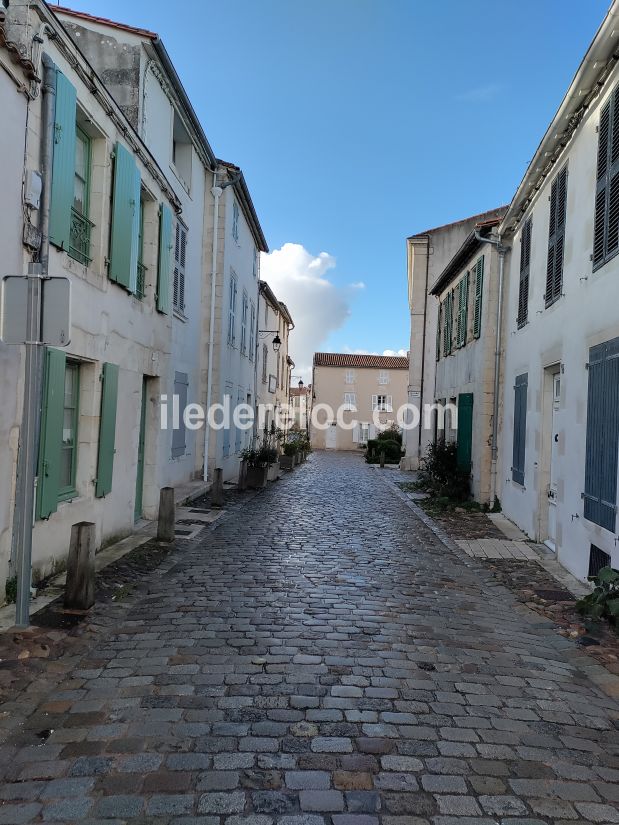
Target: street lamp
[[277, 341]]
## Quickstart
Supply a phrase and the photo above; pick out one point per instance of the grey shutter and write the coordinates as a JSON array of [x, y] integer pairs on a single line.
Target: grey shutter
[[602, 444], [479, 293], [520, 427], [525, 264], [556, 238], [438, 331], [606, 223], [181, 382], [599, 231]]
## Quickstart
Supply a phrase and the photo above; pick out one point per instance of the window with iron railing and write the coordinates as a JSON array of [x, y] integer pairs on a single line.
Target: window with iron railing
[[141, 279], [80, 229]]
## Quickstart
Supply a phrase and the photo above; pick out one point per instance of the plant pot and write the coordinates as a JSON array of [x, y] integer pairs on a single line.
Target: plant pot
[[286, 462], [273, 472], [257, 477]]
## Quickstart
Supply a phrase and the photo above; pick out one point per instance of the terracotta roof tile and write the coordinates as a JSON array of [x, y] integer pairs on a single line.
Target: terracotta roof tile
[[345, 359]]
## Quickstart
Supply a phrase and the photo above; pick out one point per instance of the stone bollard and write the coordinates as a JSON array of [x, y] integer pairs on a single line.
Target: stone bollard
[[79, 591], [165, 524], [242, 485], [217, 490], [382, 458]]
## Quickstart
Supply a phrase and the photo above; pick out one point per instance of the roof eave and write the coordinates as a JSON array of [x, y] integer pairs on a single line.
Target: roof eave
[[242, 191], [589, 79], [469, 247]]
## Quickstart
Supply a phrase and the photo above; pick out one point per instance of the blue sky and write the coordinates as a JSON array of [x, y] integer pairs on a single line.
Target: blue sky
[[360, 122]]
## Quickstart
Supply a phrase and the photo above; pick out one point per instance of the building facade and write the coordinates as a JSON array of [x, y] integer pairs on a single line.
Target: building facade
[[465, 299], [366, 390], [561, 388], [274, 364], [111, 218], [428, 254], [301, 407]]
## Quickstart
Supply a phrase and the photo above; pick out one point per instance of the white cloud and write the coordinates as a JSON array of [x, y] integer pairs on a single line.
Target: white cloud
[[392, 352], [317, 305]]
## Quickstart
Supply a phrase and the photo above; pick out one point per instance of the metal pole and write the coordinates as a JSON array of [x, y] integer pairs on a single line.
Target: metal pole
[[33, 378]]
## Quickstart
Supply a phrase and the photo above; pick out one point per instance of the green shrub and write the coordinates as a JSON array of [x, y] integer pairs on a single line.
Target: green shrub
[[391, 449], [603, 603], [10, 590], [392, 433], [291, 448], [439, 472]]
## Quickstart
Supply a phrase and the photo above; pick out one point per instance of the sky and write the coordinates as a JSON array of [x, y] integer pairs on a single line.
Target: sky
[[360, 122]]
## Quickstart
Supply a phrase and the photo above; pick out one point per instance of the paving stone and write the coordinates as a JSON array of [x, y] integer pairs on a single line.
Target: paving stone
[[321, 800], [308, 780], [222, 803], [169, 804], [331, 744], [121, 806]]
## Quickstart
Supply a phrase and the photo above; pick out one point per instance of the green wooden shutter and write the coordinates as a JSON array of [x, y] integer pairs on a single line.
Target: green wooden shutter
[[463, 305], [448, 323], [479, 291], [51, 433], [63, 165], [438, 331], [107, 430], [464, 448], [165, 259], [125, 220]]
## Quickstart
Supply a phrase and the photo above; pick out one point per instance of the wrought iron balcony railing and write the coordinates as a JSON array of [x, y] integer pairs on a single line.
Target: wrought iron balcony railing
[[79, 241], [141, 281]]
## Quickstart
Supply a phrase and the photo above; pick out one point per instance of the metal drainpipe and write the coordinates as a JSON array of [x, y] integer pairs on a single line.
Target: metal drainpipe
[[501, 249], [216, 191], [423, 349], [33, 362]]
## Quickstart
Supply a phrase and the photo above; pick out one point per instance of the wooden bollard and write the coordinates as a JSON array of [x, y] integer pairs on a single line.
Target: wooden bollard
[[382, 458], [79, 591], [165, 523], [217, 490], [242, 485]]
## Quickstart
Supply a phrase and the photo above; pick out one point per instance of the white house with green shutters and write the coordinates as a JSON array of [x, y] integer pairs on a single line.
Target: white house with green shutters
[[112, 218], [138, 72], [464, 298], [561, 340]]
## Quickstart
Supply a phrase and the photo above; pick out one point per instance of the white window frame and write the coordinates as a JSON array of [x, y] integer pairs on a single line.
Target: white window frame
[[382, 403], [232, 309], [383, 377], [350, 401], [349, 377]]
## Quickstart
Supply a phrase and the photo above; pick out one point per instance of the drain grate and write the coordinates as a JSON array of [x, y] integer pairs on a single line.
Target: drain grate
[[555, 595]]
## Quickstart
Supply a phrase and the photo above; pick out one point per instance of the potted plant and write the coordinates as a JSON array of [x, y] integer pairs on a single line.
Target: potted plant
[[287, 460], [257, 468]]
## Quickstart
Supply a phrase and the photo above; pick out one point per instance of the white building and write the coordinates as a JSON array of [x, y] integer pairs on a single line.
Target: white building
[[274, 364], [561, 389], [112, 212]]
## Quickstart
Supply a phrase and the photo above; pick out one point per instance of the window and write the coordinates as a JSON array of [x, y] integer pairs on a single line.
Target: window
[[235, 221], [556, 238], [181, 382], [244, 308], [365, 432], [520, 428], [463, 310], [448, 322], [141, 283], [383, 377], [349, 378], [382, 403], [602, 444], [266, 314], [79, 246], [232, 310], [252, 331], [265, 355], [525, 262], [256, 262], [606, 223], [181, 150], [180, 252], [70, 413], [350, 401], [479, 293]]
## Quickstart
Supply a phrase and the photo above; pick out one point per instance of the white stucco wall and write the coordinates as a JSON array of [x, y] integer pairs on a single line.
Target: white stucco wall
[[559, 338]]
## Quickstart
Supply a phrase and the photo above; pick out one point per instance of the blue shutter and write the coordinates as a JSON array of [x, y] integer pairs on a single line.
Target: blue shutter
[[240, 399], [165, 259], [181, 383], [600, 493], [107, 430], [63, 165], [125, 220], [520, 427], [51, 433]]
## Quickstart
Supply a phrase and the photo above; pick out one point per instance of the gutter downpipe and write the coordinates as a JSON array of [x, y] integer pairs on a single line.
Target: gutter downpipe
[[33, 366], [217, 192], [501, 249], [423, 348]]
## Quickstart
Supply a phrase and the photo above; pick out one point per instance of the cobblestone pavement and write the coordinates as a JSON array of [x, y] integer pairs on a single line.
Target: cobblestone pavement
[[320, 658]]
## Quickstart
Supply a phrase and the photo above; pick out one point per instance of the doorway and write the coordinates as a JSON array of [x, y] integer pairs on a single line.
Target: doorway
[[139, 479], [331, 436], [553, 432]]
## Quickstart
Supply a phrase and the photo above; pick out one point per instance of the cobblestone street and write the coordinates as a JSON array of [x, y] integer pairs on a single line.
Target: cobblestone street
[[320, 658]]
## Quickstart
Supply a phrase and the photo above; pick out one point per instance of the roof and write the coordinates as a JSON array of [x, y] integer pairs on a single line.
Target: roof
[[470, 246], [595, 68], [298, 391], [16, 55], [345, 359], [480, 218], [164, 58], [248, 205], [105, 22]]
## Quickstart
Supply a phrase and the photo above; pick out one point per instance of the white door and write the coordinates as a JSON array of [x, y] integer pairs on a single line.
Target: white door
[[554, 447], [331, 437]]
